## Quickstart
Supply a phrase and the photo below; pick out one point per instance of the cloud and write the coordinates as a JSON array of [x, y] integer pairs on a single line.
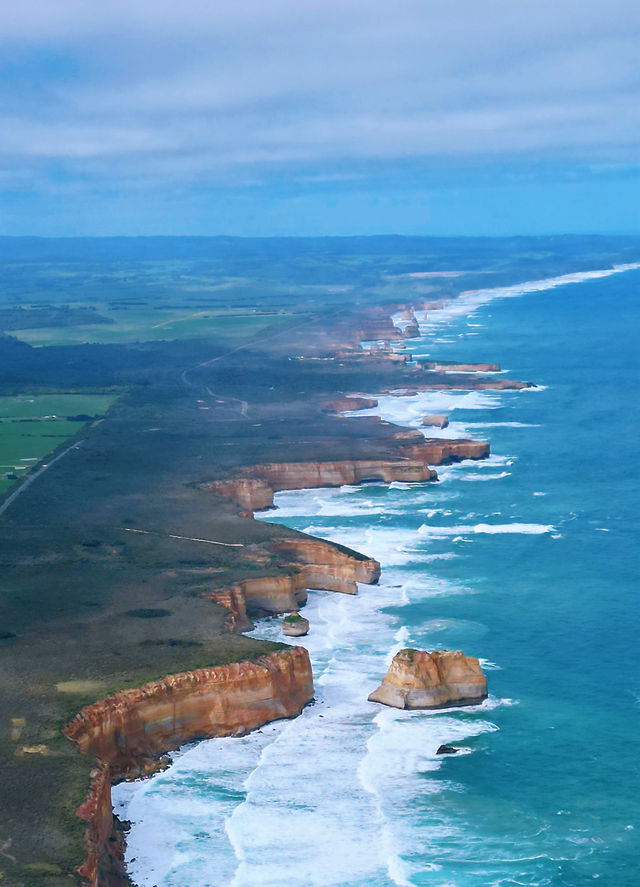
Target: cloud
[[218, 92]]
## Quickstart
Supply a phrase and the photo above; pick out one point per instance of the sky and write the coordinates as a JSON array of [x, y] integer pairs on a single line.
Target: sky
[[305, 117]]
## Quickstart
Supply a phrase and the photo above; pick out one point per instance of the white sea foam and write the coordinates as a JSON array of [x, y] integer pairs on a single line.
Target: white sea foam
[[502, 425], [468, 302], [490, 529], [250, 809], [475, 477]]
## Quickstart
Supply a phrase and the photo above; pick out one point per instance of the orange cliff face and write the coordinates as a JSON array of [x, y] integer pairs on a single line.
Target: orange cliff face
[[379, 329], [315, 564], [440, 450], [104, 864], [417, 679], [229, 700], [351, 402], [125, 730], [234, 600], [250, 493], [255, 488]]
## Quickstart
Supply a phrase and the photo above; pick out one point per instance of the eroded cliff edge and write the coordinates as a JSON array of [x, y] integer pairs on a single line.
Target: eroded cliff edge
[[125, 731], [136, 570]]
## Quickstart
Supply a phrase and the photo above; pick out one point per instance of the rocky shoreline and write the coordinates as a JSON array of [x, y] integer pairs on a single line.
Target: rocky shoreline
[[126, 732]]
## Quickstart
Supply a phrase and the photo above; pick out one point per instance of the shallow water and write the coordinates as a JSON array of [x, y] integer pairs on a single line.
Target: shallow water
[[527, 560]]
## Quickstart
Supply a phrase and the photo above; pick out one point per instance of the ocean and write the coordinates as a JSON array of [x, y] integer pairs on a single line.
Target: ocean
[[528, 560]]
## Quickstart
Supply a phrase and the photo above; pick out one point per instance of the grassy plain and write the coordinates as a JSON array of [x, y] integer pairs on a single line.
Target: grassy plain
[[150, 323], [33, 425]]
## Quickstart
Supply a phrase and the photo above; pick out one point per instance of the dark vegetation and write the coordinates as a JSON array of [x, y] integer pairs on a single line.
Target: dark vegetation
[[87, 606], [19, 318]]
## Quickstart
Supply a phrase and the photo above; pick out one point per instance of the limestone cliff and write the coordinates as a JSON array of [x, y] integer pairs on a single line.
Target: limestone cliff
[[317, 554], [440, 450], [461, 367], [315, 564], [251, 493], [417, 679], [255, 487], [435, 421], [381, 328], [103, 865], [461, 382], [125, 730], [227, 700], [351, 402], [234, 600]]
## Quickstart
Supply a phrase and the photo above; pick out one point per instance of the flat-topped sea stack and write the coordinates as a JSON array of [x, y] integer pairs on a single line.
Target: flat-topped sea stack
[[435, 421], [294, 625], [417, 679]]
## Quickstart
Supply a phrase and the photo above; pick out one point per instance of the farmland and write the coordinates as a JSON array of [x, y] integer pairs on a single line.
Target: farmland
[[32, 426]]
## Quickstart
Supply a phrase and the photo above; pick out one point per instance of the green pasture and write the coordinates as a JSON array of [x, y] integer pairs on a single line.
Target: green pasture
[[31, 426], [144, 323]]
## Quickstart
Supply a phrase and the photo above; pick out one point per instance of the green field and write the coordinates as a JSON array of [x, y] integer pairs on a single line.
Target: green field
[[31, 426], [143, 323]]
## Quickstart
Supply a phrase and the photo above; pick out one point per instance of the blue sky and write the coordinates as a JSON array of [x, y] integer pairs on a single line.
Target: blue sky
[[319, 116]]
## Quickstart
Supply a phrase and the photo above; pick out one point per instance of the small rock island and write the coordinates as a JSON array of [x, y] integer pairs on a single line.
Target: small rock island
[[418, 679], [294, 625], [436, 421]]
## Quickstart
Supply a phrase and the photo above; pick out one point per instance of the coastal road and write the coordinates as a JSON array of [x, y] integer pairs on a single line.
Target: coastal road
[[244, 406], [34, 477]]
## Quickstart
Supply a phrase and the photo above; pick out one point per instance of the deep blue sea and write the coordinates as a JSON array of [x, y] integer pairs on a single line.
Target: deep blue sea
[[527, 560]]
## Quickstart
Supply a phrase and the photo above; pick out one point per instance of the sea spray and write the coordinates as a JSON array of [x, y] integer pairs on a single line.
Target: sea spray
[[534, 795]]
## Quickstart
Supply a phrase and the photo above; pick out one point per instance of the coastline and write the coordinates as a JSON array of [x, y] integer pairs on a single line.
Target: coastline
[[335, 569], [247, 503], [256, 488]]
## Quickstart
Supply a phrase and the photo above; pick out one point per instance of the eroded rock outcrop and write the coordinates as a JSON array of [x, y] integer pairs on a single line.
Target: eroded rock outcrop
[[351, 402], [317, 555], [435, 421], [460, 367], [125, 730], [315, 564], [417, 679], [251, 493], [405, 320], [104, 863], [295, 626], [460, 382], [234, 600], [376, 329], [255, 488], [225, 700], [439, 451], [263, 596]]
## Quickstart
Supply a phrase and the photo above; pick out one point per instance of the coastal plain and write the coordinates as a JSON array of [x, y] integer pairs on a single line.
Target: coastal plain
[[111, 557]]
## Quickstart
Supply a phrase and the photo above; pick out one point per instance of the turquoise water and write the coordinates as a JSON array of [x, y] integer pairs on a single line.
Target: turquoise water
[[527, 560]]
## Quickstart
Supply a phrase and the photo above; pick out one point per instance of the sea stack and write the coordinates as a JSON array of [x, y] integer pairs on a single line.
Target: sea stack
[[435, 421], [294, 625], [417, 679]]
